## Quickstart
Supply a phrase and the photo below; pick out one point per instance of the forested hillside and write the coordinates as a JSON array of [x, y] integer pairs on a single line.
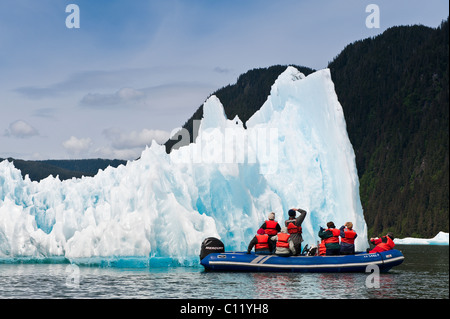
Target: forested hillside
[[64, 169], [395, 93]]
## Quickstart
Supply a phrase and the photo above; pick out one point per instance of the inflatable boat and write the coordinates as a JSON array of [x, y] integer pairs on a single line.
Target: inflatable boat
[[215, 259]]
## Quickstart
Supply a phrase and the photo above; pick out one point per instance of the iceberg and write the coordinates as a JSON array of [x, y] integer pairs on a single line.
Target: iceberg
[[440, 239], [294, 152]]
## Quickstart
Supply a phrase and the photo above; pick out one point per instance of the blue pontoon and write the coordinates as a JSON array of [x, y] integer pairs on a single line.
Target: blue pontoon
[[241, 261]]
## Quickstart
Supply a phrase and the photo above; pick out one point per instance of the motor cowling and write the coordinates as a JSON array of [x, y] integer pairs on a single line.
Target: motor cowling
[[211, 245]]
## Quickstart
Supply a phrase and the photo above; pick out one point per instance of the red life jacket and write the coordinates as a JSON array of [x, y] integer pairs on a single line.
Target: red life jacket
[[335, 238], [263, 242], [384, 246], [390, 243], [322, 248], [283, 240], [271, 227], [349, 238], [292, 229]]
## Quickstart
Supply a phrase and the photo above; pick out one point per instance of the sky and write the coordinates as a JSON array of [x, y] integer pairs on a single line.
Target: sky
[[134, 71]]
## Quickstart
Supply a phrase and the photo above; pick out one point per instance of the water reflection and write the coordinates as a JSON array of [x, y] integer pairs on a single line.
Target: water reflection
[[320, 285], [424, 274], [278, 286]]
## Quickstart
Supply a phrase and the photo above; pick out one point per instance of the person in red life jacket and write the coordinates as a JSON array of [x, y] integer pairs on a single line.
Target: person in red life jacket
[[294, 227], [261, 242], [284, 245], [271, 226], [348, 236], [331, 239], [383, 244]]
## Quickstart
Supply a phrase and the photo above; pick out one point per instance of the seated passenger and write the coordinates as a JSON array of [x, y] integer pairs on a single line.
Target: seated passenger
[[271, 226], [348, 236], [284, 246], [261, 242], [331, 239], [384, 243]]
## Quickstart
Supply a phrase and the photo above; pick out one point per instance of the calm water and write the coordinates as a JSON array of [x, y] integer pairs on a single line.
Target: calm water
[[423, 275]]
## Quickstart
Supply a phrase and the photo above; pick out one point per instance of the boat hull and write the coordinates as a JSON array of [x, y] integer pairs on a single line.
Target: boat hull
[[241, 261]]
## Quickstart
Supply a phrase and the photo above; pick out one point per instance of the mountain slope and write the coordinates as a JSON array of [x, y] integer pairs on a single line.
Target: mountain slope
[[243, 98], [394, 92]]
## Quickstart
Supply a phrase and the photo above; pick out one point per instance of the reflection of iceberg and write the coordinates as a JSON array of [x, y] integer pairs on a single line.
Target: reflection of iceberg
[[439, 239], [295, 153]]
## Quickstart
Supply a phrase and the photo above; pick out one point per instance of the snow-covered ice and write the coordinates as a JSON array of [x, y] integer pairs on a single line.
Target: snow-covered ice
[[440, 239], [295, 152]]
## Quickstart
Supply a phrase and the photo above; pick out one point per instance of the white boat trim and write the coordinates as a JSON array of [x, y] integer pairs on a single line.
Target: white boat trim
[[261, 263]]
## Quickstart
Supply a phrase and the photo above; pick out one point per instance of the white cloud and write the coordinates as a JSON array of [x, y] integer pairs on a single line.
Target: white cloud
[[21, 129], [170, 95], [135, 139], [111, 153], [129, 145], [121, 145], [219, 69], [77, 146], [84, 81], [123, 96]]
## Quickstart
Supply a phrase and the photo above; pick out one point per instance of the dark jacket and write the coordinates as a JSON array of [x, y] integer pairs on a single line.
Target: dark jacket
[[254, 241], [324, 234]]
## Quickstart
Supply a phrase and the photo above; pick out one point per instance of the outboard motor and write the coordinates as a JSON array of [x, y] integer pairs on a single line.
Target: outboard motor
[[211, 245]]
